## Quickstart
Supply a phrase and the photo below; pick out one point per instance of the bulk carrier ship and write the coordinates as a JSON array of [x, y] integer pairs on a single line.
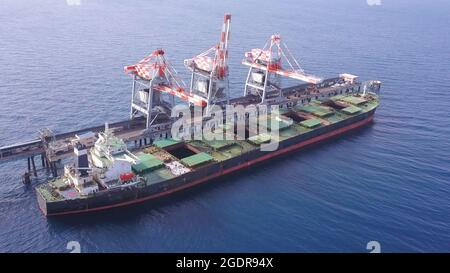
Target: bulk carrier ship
[[109, 172]]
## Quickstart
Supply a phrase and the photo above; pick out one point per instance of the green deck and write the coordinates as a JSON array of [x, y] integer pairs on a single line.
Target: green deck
[[354, 100], [196, 159], [317, 110], [145, 157], [311, 123], [163, 143], [219, 144], [351, 110], [148, 162], [277, 123], [259, 139], [158, 175], [337, 97]]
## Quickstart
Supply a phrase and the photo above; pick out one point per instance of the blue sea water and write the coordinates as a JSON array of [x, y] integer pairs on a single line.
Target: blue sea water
[[61, 67]]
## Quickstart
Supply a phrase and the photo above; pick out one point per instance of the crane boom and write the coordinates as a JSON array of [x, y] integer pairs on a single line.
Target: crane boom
[[290, 74]]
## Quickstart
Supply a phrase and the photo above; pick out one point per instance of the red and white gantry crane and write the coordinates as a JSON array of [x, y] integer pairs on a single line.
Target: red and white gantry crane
[[266, 68], [155, 85], [209, 78]]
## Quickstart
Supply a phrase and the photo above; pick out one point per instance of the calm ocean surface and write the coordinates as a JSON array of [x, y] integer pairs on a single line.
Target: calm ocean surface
[[61, 67]]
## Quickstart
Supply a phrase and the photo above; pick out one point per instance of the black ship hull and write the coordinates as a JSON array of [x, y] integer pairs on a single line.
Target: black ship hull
[[127, 196]]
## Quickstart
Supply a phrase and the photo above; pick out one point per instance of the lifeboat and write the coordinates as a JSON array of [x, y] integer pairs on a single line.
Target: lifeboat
[[125, 177]]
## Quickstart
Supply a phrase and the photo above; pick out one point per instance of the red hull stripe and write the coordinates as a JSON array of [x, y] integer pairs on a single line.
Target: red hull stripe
[[235, 168]]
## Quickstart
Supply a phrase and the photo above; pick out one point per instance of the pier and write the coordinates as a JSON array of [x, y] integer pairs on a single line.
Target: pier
[[50, 149]]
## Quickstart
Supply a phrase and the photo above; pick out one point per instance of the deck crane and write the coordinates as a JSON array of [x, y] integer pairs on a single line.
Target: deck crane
[[266, 69], [155, 86], [209, 69]]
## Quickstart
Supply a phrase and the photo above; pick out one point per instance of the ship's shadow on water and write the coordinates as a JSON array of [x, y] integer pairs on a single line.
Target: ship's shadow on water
[[134, 212]]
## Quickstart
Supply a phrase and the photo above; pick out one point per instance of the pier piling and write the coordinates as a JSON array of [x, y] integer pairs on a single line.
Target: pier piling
[[34, 166], [54, 169], [43, 160], [47, 164], [26, 178]]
